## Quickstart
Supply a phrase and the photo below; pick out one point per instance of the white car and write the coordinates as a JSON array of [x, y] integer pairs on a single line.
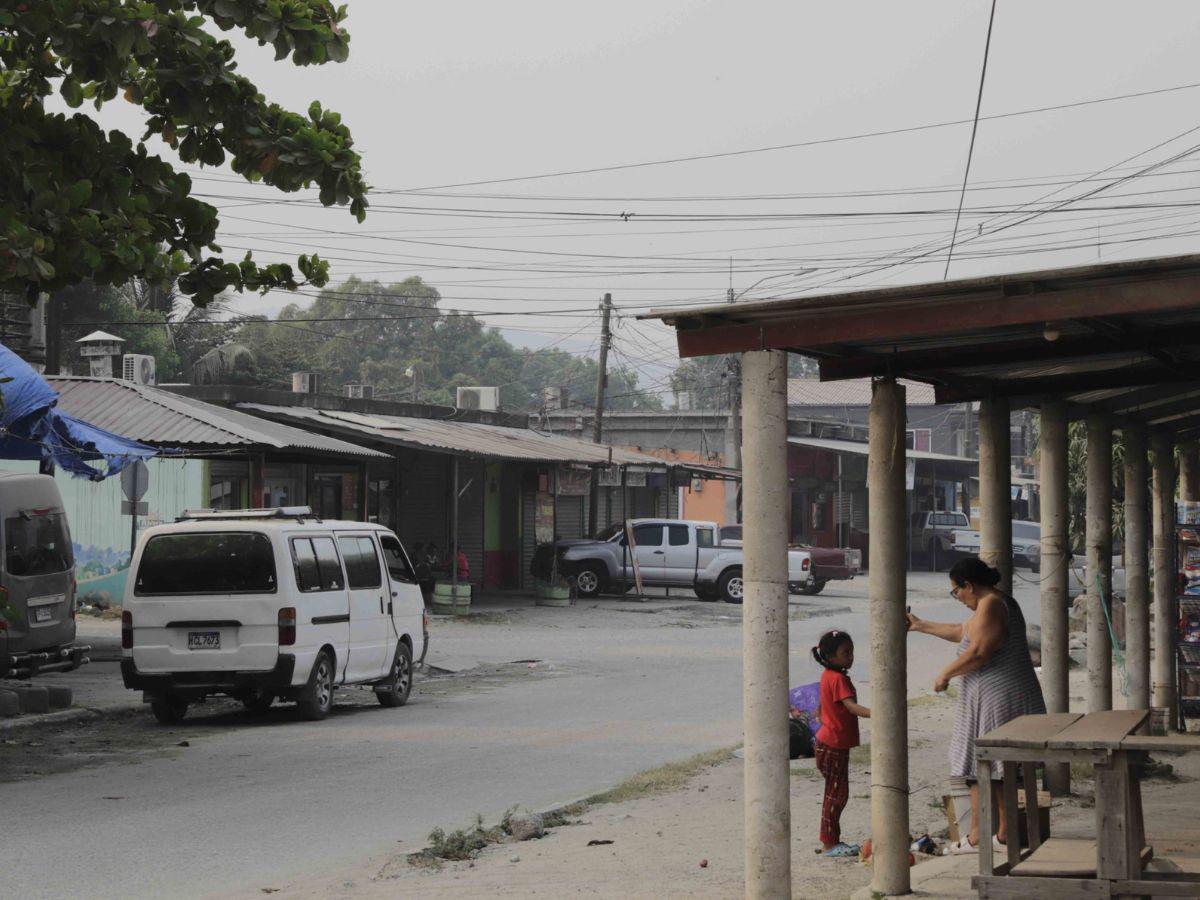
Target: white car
[[266, 604]]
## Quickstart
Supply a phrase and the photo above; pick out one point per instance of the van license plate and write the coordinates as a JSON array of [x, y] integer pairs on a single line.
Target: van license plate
[[204, 640], [43, 614]]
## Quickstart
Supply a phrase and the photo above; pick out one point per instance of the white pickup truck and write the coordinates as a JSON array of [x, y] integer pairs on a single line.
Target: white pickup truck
[[669, 553], [1026, 544]]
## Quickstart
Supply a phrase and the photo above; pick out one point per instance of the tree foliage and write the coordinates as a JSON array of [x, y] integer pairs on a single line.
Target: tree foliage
[[397, 339], [707, 382], [80, 204]]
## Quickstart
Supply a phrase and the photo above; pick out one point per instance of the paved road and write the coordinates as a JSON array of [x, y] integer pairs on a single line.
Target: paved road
[[257, 803]]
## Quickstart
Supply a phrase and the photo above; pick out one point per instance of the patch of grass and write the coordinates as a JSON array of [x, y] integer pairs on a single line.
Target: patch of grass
[[1081, 771], [951, 693], [861, 755], [666, 778], [464, 843], [564, 815]]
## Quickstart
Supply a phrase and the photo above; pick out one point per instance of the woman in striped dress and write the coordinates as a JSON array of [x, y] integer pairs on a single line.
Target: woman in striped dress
[[998, 680]]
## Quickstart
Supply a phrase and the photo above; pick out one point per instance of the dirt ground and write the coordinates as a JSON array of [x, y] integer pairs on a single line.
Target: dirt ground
[[688, 842]]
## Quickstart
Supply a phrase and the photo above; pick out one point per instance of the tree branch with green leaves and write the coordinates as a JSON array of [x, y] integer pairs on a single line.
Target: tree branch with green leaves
[[81, 204]]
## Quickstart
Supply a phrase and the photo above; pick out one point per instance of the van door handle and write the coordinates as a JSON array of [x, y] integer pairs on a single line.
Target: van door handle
[[659, 552], [381, 604]]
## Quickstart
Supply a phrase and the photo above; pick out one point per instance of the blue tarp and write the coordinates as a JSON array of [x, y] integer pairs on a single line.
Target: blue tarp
[[31, 427]]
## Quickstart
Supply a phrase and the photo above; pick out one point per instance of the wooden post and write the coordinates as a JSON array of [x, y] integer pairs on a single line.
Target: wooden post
[[1165, 633], [995, 489], [889, 659], [1056, 549], [1137, 568], [768, 857], [1099, 561]]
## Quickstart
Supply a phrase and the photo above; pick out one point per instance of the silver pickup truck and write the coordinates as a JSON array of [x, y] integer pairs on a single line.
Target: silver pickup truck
[[669, 553]]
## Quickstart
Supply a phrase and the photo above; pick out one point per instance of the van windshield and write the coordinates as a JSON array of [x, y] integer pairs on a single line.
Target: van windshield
[[37, 544], [206, 563]]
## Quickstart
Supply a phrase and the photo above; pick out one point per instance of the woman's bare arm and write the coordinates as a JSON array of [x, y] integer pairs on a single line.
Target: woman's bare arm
[[985, 631], [947, 631]]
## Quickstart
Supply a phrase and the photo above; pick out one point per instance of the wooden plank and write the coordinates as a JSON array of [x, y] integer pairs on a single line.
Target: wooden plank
[[1060, 858], [995, 888], [1008, 790], [1168, 743], [986, 864], [1033, 820], [1043, 755], [1114, 859], [1147, 888], [1099, 730], [1028, 732]]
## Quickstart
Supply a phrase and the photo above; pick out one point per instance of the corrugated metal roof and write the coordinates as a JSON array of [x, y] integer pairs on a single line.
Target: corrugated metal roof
[[468, 438], [860, 448], [159, 417]]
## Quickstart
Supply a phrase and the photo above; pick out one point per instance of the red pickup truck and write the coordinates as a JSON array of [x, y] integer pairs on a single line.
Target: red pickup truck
[[829, 563]]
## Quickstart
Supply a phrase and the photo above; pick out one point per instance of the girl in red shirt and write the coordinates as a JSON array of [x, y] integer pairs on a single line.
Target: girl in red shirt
[[838, 714]]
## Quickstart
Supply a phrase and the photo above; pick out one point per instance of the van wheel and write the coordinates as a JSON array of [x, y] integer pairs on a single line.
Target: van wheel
[[168, 710], [395, 691], [258, 702], [316, 697], [730, 587], [590, 581]]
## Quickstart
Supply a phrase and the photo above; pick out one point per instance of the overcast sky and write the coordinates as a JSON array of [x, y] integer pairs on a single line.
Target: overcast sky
[[441, 94]]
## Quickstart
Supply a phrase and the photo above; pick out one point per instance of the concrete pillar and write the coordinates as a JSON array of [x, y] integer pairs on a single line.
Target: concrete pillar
[[1137, 567], [1189, 471], [1056, 549], [1099, 561], [889, 653], [765, 626], [995, 489], [1163, 524]]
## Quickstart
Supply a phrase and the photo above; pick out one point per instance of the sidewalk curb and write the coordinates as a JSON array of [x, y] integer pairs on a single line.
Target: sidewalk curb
[[60, 717]]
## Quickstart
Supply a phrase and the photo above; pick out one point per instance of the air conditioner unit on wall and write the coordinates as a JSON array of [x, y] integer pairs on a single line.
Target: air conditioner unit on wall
[[139, 368], [359, 391], [485, 398], [306, 383]]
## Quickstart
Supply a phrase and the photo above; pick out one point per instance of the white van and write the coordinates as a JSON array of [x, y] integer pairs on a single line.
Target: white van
[[269, 604], [37, 580]]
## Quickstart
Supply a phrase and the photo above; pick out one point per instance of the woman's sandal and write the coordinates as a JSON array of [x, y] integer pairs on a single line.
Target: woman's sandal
[[842, 851], [965, 846]]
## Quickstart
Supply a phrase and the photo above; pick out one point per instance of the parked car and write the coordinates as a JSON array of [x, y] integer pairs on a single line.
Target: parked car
[[37, 580], [266, 604], [1026, 544], [930, 534], [828, 563], [669, 553]]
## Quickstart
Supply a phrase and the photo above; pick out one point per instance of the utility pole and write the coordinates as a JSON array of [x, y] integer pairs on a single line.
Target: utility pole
[[598, 417], [733, 424]]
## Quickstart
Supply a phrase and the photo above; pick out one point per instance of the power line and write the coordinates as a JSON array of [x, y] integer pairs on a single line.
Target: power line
[[971, 147]]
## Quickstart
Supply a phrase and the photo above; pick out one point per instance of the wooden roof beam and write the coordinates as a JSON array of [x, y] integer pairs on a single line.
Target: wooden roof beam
[[920, 318], [1059, 385]]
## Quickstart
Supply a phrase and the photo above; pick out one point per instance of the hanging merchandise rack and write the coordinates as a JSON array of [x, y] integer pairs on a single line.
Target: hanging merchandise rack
[[1187, 594]]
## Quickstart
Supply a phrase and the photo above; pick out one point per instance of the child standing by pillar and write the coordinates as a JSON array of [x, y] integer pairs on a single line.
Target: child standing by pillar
[[839, 714]]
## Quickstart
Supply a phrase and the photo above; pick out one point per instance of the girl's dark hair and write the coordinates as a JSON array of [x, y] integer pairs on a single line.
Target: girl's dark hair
[[974, 570], [829, 644]]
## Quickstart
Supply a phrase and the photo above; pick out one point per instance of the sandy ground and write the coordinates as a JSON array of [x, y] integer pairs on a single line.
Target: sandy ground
[[658, 843]]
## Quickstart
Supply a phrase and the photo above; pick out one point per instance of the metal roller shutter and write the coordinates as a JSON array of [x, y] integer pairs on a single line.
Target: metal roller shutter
[[570, 521], [528, 533], [470, 515], [424, 491]]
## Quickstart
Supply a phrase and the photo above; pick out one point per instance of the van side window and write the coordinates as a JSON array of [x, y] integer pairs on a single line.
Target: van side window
[[317, 565], [362, 562], [397, 560]]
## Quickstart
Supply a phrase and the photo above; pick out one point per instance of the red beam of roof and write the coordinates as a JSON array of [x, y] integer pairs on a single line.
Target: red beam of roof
[[901, 318]]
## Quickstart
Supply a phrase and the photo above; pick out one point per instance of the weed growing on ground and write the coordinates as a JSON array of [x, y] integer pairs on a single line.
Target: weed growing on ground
[[665, 778], [464, 843], [861, 755], [565, 815], [809, 772]]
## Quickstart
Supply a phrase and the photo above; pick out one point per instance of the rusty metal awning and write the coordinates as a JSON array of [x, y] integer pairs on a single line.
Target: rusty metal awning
[[163, 419], [461, 438]]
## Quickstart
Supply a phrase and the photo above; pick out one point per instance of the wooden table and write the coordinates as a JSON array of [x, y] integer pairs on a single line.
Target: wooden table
[[1113, 864]]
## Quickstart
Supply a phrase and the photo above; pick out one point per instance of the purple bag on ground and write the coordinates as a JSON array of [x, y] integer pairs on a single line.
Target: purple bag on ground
[[807, 698]]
